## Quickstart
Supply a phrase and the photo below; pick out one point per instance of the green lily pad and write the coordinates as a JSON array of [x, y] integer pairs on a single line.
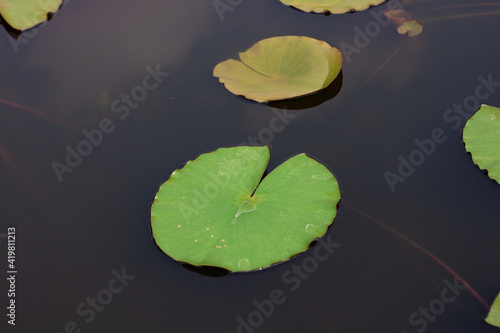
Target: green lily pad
[[25, 14], [493, 317], [482, 139], [280, 68], [214, 212], [332, 6]]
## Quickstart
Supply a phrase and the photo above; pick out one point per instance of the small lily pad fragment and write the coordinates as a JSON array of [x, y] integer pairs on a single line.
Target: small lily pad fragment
[[412, 27], [25, 14], [493, 317], [331, 6], [216, 211], [481, 136], [280, 68]]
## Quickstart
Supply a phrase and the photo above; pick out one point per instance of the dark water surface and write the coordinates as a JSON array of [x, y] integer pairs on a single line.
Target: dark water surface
[[74, 236]]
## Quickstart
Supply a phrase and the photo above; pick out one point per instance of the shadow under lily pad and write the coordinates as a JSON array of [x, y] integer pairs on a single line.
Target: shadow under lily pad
[[310, 101]]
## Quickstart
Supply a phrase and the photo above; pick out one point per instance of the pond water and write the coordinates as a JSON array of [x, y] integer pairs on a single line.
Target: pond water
[[85, 256]]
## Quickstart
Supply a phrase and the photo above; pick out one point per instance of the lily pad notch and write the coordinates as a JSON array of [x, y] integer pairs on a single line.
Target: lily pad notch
[[216, 211], [279, 68]]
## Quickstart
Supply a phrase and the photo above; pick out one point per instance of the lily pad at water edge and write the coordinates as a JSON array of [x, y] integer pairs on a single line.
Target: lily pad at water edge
[[25, 14], [214, 212], [280, 68], [493, 317], [332, 6], [482, 139]]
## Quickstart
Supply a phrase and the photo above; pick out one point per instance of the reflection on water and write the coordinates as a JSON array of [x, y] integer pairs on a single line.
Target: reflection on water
[[73, 233]]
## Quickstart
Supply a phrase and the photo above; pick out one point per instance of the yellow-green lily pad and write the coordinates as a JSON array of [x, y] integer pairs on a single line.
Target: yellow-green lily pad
[[481, 136], [493, 317], [412, 27], [331, 6], [216, 211], [25, 14], [280, 68]]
